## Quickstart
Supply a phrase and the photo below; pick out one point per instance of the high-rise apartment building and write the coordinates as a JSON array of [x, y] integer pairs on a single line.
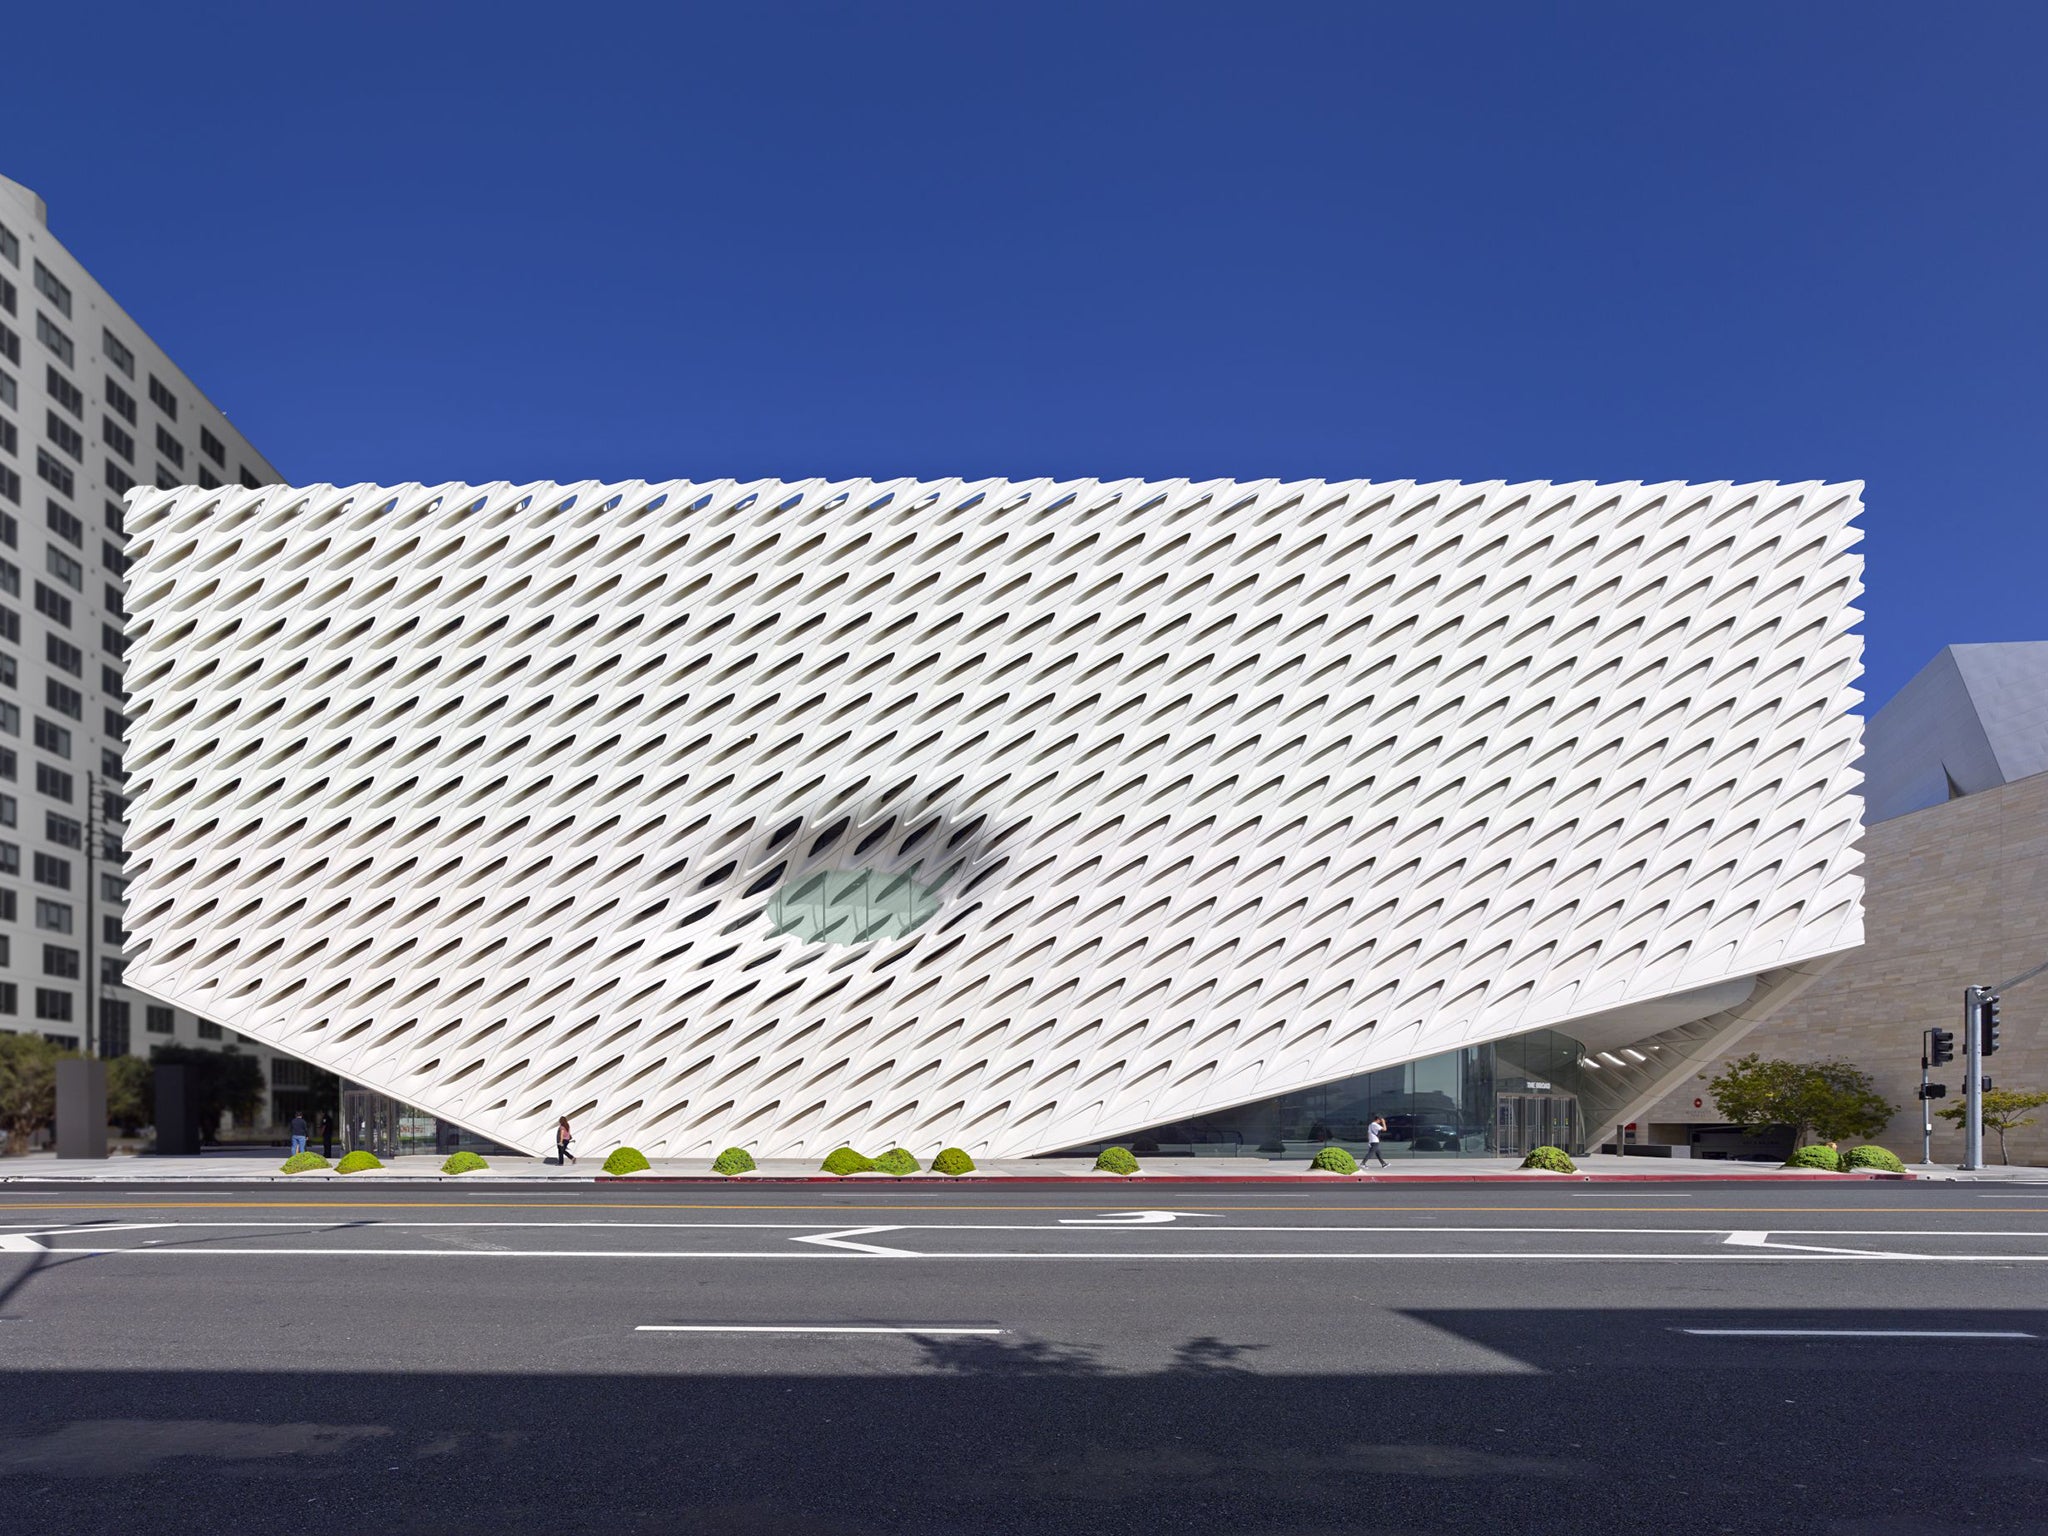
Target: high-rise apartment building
[[89, 407]]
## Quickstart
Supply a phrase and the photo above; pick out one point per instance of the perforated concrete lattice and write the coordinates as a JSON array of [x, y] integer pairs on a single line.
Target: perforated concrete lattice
[[1006, 814]]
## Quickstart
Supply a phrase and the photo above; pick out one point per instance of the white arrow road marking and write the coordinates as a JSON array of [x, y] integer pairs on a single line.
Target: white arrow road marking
[[1136, 1218], [25, 1242], [842, 1240], [1763, 1240], [796, 1328]]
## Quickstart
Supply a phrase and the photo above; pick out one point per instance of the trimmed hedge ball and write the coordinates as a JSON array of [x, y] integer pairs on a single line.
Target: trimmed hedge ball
[[1550, 1160], [358, 1161], [464, 1162], [1334, 1160], [733, 1160], [896, 1161], [953, 1161], [1827, 1159], [1116, 1160], [844, 1160], [1881, 1159], [626, 1160], [304, 1162]]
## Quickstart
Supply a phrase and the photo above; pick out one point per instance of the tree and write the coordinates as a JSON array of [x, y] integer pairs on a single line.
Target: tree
[[2005, 1109], [131, 1093], [1829, 1099], [28, 1087]]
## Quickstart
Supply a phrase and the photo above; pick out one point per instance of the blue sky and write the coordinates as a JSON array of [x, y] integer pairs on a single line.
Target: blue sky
[[1621, 241]]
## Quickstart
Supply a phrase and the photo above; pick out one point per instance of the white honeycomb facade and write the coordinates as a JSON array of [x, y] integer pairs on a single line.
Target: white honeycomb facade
[[1006, 814]]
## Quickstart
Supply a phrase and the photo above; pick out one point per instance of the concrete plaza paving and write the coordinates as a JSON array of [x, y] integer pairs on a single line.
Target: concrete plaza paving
[[253, 1164]]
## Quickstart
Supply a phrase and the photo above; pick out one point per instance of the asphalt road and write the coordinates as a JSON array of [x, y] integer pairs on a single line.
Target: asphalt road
[[1714, 1357]]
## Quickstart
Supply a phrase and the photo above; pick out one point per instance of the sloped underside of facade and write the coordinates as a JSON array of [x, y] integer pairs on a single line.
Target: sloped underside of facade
[[1011, 815]]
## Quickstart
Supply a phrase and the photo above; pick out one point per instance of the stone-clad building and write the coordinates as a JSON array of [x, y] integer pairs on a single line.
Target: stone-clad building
[[1956, 892]]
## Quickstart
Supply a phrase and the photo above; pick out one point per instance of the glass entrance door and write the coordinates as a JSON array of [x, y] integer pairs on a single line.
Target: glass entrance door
[[1529, 1120]]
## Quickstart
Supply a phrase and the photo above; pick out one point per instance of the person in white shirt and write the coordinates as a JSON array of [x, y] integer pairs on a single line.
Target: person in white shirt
[[1372, 1142]]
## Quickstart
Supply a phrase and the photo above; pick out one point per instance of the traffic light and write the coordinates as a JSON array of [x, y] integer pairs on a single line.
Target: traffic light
[[1934, 1090], [1987, 1022], [1944, 1047]]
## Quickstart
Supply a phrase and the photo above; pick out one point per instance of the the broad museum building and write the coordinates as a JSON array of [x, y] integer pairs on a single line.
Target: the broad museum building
[[1022, 816]]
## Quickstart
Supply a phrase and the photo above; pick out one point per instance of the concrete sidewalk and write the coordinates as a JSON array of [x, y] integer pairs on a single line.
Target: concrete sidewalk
[[261, 1166]]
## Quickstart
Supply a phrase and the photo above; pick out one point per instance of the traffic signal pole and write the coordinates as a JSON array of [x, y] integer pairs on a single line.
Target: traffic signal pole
[[1926, 1104], [1973, 1087]]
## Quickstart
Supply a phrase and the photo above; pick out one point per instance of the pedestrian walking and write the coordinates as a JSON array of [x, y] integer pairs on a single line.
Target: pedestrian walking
[[327, 1135], [562, 1140], [298, 1134], [1373, 1130]]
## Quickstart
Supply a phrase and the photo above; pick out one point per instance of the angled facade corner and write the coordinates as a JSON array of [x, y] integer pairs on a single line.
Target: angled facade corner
[[1008, 814]]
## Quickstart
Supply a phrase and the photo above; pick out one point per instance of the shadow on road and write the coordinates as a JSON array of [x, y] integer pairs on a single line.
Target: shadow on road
[[1616, 1421]]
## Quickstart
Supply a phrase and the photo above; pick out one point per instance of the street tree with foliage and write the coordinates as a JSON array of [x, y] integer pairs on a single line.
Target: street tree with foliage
[[229, 1082], [28, 1087], [2005, 1109], [1830, 1100], [131, 1093]]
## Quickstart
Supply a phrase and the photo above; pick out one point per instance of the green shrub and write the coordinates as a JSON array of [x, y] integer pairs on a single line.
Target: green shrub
[[953, 1161], [1550, 1160], [896, 1161], [1334, 1160], [305, 1162], [1824, 1158], [626, 1160], [845, 1160], [357, 1161], [1883, 1160], [464, 1162], [1116, 1160], [733, 1160]]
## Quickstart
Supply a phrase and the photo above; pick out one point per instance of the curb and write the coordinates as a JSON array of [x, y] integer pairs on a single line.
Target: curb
[[1411, 1181]]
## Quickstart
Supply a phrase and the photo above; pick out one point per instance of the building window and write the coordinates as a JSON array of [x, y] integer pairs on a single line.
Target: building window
[[7, 296], [161, 397], [114, 723], [7, 906], [111, 682], [53, 604], [61, 961], [8, 670], [6, 950], [50, 470], [10, 859], [10, 811], [118, 354], [10, 487], [114, 640], [116, 438], [111, 931], [113, 559], [9, 394], [52, 1004], [166, 478], [10, 247], [54, 782], [53, 916], [54, 738], [66, 832], [64, 392], [10, 719], [64, 699], [249, 480], [65, 569], [51, 870], [157, 1020], [122, 402], [213, 448], [110, 764], [113, 887], [53, 290], [119, 481], [60, 652], [10, 439], [114, 1034], [208, 1030], [10, 1000], [53, 338], [10, 345], [10, 578], [170, 447], [113, 970], [64, 524], [65, 436], [208, 480], [9, 765]]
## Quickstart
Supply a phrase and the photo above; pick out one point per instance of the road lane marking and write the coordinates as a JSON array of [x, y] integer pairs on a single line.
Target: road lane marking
[[1138, 1219], [1851, 1333], [844, 1240], [1631, 1197], [1763, 1240], [806, 1328]]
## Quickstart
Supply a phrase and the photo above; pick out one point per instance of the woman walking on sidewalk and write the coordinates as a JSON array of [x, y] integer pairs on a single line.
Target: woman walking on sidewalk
[[562, 1140]]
